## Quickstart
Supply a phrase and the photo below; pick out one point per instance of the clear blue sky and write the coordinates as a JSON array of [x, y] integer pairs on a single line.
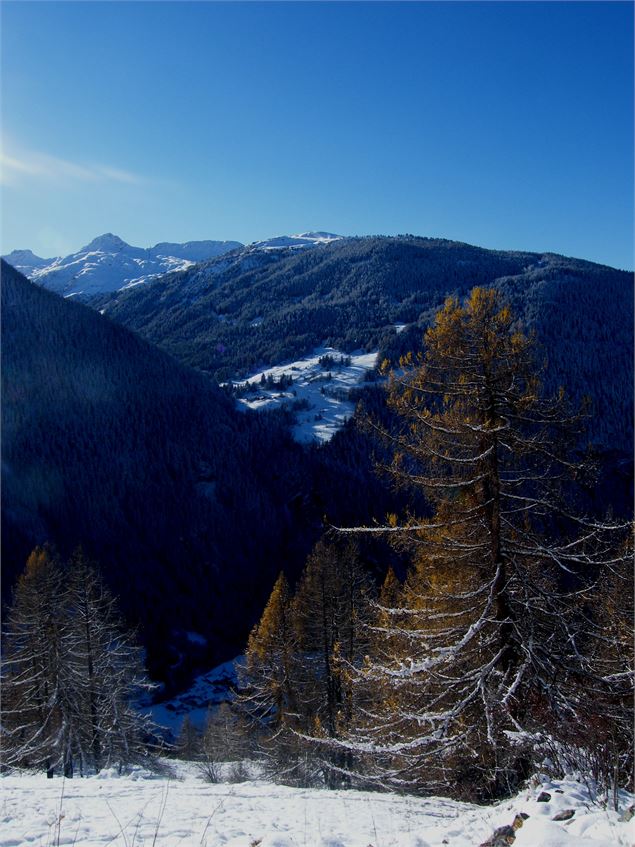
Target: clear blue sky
[[506, 125]]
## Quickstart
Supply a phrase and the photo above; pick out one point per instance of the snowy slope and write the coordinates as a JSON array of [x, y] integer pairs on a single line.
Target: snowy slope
[[320, 391], [109, 264], [295, 242], [136, 810]]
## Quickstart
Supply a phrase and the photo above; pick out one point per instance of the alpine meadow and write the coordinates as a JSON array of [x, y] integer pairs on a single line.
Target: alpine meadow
[[317, 537]]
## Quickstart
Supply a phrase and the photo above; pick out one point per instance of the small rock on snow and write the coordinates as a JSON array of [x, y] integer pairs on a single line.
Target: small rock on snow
[[564, 815]]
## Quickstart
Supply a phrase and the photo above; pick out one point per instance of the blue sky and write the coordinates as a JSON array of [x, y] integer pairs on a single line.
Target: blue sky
[[506, 125]]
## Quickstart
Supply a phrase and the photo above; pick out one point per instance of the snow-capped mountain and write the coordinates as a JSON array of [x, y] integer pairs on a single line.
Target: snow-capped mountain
[[109, 264], [295, 242], [26, 261]]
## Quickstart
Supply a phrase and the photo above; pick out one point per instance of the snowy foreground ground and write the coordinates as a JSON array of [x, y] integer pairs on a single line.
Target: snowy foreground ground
[[140, 810]]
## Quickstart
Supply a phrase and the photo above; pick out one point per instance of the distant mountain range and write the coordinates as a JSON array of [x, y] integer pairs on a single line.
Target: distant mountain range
[[109, 264]]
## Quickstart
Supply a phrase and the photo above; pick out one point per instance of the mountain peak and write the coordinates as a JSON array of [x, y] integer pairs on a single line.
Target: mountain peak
[[106, 243], [23, 255], [109, 264], [26, 261]]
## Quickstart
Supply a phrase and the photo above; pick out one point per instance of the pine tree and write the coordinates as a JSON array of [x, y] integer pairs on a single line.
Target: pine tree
[[486, 635]]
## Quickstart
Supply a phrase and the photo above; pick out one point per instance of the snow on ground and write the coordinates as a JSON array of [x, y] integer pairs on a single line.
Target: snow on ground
[[139, 810], [324, 390]]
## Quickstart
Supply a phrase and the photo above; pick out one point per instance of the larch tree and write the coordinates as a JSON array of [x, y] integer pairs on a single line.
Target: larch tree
[[268, 686], [36, 713], [598, 742], [297, 680], [488, 633], [70, 673], [188, 742], [330, 612], [107, 668]]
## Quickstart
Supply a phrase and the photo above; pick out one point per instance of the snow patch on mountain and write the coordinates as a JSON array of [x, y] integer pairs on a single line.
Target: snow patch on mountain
[[295, 242], [317, 388], [109, 264]]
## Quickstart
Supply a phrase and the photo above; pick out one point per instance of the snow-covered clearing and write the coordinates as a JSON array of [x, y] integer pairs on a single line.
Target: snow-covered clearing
[[321, 392], [136, 810]]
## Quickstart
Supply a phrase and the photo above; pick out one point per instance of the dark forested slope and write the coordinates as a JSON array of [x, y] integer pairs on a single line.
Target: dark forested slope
[[109, 442], [254, 308]]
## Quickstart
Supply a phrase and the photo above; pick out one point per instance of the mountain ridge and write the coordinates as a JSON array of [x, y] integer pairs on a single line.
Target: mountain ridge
[[249, 310], [108, 263]]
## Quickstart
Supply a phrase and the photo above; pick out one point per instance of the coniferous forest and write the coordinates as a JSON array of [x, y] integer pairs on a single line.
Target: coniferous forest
[[434, 602]]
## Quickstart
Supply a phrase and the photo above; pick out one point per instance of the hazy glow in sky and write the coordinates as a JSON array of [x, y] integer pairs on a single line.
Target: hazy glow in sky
[[506, 125]]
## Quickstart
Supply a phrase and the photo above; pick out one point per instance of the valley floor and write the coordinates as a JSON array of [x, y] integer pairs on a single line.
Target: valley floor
[[139, 810]]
